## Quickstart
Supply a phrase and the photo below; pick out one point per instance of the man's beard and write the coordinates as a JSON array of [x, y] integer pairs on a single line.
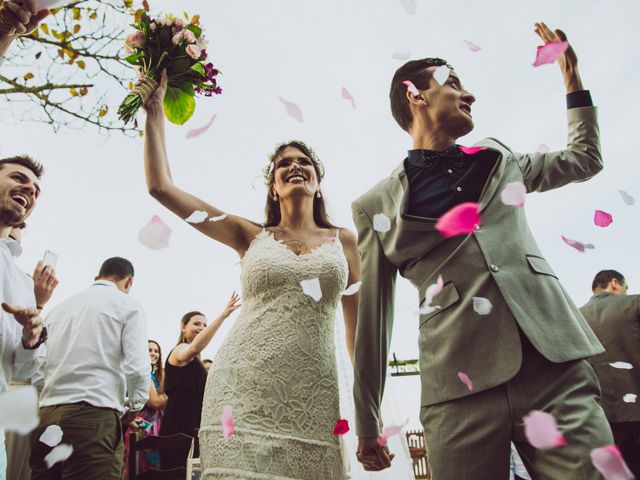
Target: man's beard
[[10, 218]]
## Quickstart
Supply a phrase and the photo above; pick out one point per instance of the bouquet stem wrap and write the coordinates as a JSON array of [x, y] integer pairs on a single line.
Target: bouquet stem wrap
[[138, 97]]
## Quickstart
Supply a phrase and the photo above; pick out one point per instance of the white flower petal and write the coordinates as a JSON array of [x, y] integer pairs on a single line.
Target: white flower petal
[[155, 234], [312, 288], [626, 198], [352, 289], [52, 436], [630, 398], [19, 410], [219, 218], [198, 216], [622, 365], [381, 223], [441, 74], [513, 194], [58, 454], [482, 306]]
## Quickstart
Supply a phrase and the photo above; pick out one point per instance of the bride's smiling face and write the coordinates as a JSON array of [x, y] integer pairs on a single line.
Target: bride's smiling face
[[294, 174]]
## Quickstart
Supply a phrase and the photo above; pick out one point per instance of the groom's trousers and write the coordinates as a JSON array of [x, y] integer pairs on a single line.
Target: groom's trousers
[[469, 438]]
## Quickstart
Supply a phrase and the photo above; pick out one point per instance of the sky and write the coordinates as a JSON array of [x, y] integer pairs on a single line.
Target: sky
[[94, 199]]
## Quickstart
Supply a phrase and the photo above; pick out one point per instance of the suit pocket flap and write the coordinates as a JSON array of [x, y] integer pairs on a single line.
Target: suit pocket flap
[[447, 297], [540, 265]]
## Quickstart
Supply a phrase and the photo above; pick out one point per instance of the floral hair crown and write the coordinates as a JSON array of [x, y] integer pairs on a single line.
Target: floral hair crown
[[268, 169]]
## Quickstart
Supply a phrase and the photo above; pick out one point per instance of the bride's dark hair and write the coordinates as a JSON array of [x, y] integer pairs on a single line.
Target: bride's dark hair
[[272, 208]]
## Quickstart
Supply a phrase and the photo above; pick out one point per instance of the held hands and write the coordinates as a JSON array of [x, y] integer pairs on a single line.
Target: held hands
[[31, 323], [45, 282], [232, 305], [372, 455], [19, 18], [568, 61]]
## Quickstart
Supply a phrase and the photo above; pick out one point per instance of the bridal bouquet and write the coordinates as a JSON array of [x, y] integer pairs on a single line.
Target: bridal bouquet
[[174, 44]]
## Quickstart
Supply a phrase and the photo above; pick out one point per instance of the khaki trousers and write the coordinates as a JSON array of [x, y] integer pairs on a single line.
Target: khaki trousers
[[95, 435], [468, 438]]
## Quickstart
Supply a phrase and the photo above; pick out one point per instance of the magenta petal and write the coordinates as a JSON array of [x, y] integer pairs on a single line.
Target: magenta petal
[[342, 427], [471, 150], [549, 52], [292, 109], [460, 220], [390, 432], [541, 430], [199, 131], [411, 87], [608, 461], [464, 378], [602, 219], [573, 243], [347, 96]]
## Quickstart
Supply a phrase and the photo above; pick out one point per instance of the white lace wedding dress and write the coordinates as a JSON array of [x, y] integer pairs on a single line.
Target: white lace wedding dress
[[277, 370]]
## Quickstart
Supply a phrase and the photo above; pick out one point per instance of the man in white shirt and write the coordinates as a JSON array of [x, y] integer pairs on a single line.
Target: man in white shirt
[[20, 334], [96, 352]]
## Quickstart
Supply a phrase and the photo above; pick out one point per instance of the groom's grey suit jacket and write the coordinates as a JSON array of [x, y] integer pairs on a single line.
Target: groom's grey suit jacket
[[500, 262]]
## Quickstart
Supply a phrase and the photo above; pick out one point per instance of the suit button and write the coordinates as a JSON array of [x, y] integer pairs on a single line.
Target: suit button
[[494, 268]]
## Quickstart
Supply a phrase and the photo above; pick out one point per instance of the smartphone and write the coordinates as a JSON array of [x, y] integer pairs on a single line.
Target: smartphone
[[144, 424], [50, 259]]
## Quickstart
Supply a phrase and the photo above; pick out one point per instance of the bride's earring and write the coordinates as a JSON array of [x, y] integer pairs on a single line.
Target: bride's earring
[[275, 196], [318, 194]]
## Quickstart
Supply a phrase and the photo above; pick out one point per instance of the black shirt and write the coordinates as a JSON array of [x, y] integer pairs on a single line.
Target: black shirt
[[440, 180]]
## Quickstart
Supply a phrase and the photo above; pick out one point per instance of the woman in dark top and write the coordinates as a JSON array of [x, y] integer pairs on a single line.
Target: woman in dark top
[[185, 378]]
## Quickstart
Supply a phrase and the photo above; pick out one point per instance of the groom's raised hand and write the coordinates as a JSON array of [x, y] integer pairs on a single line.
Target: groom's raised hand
[[372, 455], [568, 61]]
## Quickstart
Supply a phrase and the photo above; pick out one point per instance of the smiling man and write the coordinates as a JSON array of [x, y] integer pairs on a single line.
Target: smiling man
[[20, 325], [529, 352]]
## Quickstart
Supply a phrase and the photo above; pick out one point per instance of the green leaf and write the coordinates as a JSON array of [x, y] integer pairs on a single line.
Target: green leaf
[[133, 59], [179, 103], [197, 31], [198, 67]]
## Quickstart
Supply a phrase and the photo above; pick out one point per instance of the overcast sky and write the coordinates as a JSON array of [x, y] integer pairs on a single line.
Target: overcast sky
[[94, 200]]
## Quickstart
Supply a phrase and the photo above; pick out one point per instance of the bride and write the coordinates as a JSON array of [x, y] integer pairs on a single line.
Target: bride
[[276, 369]]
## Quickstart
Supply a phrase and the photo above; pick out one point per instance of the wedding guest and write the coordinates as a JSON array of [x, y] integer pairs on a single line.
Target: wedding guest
[[21, 329], [530, 352], [185, 377], [96, 351], [207, 362], [16, 19], [614, 317], [148, 422]]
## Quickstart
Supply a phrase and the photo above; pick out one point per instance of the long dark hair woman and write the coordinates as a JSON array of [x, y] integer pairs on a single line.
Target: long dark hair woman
[[275, 372]]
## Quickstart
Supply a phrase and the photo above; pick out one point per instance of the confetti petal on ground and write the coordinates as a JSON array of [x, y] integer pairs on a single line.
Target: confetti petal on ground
[[400, 56], [541, 430], [155, 234], [52, 436], [411, 88], [573, 243], [312, 288], [464, 378], [381, 223], [602, 219], [409, 6], [622, 365], [630, 398], [608, 461], [219, 218], [471, 150], [58, 454], [390, 431], [19, 410], [199, 131], [460, 220], [549, 52], [342, 427], [513, 194], [292, 109], [542, 148], [626, 198], [472, 46], [482, 306], [347, 96], [226, 419], [198, 216], [352, 289], [441, 74]]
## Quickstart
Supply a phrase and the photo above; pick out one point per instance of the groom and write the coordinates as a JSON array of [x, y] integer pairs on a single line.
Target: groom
[[528, 353]]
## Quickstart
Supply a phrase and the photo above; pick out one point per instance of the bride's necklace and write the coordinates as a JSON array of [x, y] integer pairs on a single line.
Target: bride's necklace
[[299, 247]]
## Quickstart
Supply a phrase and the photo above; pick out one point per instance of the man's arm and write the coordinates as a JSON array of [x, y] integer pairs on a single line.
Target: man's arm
[[375, 323], [137, 366], [582, 159], [17, 18], [28, 333]]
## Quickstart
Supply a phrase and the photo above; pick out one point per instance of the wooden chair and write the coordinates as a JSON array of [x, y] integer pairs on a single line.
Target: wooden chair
[[178, 443], [418, 451]]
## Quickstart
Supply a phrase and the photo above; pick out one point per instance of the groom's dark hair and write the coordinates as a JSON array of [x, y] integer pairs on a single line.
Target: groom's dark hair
[[416, 72]]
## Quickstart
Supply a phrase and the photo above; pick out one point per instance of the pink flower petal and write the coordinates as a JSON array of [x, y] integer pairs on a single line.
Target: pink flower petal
[[391, 431], [347, 96], [602, 219], [549, 52], [513, 194], [541, 430], [155, 234], [228, 426], [542, 148], [292, 109], [434, 289], [460, 220], [342, 427], [199, 131], [573, 243], [472, 46], [411, 87], [464, 378], [609, 462], [471, 150]]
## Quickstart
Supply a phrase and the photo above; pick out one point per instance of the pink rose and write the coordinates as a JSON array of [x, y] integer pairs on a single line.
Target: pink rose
[[135, 40], [177, 38], [193, 51], [189, 36]]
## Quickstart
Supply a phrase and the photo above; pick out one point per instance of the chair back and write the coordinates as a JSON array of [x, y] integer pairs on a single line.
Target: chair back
[[418, 451], [177, 443]]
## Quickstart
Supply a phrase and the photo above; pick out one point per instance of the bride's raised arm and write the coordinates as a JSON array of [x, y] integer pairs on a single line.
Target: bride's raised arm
[[236, 232]]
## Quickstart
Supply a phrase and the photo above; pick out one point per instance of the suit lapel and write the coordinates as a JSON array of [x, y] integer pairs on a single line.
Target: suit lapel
[[493, 181]]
